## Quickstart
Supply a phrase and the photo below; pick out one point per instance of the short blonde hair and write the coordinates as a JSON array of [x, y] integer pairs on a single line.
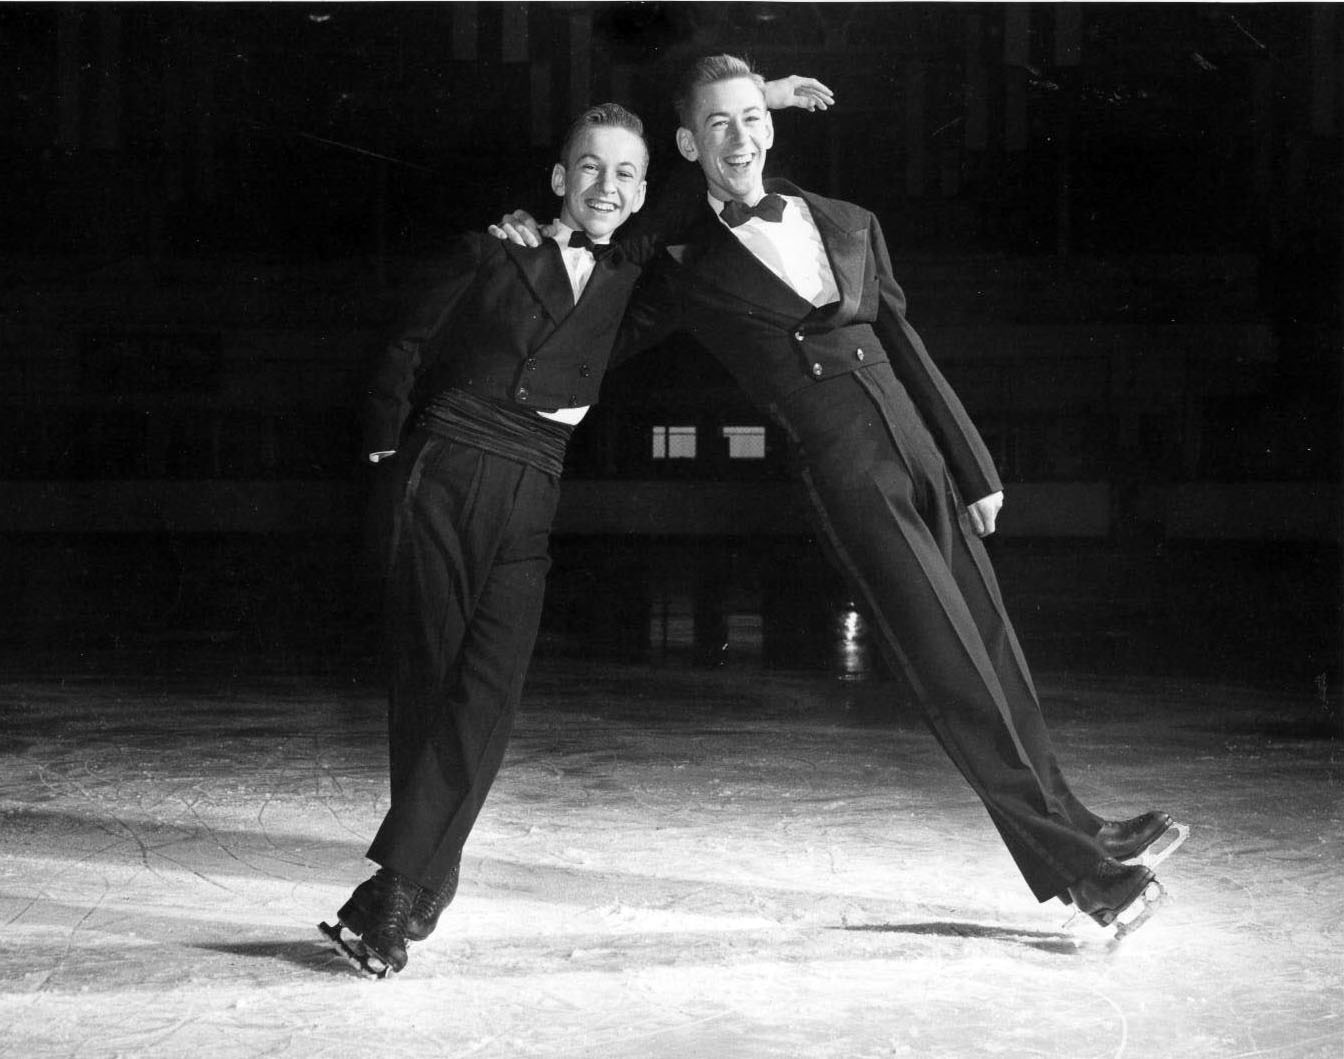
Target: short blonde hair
[[710, 70], [612, 114]]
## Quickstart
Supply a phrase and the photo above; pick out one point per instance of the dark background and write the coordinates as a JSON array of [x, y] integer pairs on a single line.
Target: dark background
[[1119, 227]]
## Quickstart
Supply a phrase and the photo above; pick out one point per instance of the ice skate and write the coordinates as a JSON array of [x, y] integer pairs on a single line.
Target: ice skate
[[371, 925], [384, 941], [356, 914], [1163, 846], [429, 905], [1119, 896], [1148, 839], [347, 945]]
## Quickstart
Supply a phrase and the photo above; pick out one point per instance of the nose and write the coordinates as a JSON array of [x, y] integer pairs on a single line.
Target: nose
[[606, 180]]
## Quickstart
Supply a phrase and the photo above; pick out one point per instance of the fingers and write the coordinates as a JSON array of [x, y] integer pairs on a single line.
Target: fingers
[[517, 234], [982, 517], [813, 95]]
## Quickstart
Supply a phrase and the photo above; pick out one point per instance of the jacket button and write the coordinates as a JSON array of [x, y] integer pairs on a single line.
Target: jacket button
[[858, 354], [584, 370], [816, 370], [798, 336], [531, 363], [522, 393], [573, 401]]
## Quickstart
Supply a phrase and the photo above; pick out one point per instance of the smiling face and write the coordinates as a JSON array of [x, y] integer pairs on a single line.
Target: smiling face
[[730, 133], [602, 182]]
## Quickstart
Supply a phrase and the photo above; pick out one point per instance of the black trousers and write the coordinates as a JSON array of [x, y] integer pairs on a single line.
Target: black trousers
[[891, 514], [468, 558]]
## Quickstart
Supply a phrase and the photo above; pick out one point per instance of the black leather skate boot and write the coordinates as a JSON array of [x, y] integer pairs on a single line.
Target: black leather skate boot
[[429, 905], [385, 937], [1126, 839], [357, 913], [1123, 894]]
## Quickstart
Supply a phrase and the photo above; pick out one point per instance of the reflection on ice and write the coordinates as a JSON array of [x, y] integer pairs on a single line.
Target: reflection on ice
[[1261, 615], [853, 650]]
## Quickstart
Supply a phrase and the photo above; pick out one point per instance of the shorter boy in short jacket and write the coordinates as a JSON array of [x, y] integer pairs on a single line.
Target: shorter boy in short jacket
[[502, 362]]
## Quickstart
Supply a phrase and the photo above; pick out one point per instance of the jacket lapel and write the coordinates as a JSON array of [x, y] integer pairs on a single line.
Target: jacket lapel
[[544, 271], [716, 256], [846, 246]]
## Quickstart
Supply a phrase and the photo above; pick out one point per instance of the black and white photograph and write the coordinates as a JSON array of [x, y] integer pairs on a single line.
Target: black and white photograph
[[671, 530]]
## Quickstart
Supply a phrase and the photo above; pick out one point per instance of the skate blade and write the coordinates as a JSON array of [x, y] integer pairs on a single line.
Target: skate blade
[[1138, 912], [1167, 843], [353, 952]]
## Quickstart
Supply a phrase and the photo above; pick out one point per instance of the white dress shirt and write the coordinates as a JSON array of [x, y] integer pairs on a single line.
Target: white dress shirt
[[791, 248], [579, 262]]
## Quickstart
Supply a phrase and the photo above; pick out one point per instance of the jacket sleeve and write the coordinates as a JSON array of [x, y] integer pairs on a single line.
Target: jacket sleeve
[[653, 312], [960, 443], [389, 395]]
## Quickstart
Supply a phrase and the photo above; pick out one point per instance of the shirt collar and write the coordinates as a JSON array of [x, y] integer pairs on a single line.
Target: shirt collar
[[564, 231], [717, 205]]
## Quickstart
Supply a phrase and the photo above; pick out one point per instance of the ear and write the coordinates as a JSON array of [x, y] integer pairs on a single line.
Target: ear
[[769, 131], [638, 200], [558, 179], [686, 145]]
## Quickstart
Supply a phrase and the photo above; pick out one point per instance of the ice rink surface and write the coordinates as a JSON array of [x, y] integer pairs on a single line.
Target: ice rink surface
[[675, 862]]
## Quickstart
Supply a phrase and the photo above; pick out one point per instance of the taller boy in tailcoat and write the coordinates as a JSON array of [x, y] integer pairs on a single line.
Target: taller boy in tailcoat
[[794, 294]]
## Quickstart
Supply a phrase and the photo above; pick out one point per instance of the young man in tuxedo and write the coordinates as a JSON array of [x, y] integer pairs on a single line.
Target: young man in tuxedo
[[471, 410], [793, 293]]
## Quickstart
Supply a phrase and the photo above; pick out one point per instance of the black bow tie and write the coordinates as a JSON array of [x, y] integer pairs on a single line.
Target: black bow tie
[[599, 250], [770, 208]]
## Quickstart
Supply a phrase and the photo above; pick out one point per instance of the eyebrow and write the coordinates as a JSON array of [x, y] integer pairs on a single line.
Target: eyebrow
[[755, 108], [624, 162]]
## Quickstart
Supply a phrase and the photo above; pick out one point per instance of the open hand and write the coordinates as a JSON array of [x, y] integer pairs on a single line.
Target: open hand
[[806, 93], [520, 227]]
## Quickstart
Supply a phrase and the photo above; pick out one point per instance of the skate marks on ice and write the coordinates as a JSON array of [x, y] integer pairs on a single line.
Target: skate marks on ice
[[647, 879]]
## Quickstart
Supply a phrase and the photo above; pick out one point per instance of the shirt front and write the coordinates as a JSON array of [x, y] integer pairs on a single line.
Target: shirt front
[[791, 248], [579, 263]]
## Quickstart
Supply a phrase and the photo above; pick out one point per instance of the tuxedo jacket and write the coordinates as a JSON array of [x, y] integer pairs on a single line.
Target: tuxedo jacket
[[502, 324], [776, 344]]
